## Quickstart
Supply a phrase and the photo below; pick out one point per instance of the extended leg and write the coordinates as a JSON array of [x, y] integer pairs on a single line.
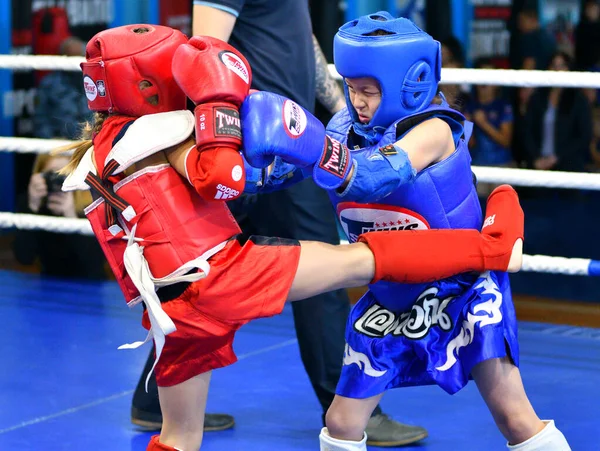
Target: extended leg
[[415, 256], [424, 256]]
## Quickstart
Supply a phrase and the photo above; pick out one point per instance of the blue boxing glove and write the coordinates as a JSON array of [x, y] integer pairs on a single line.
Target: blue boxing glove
[[378, 172], [273, 125], [279, 175]]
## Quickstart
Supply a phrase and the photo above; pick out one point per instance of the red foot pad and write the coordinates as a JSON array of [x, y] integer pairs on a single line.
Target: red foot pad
[[155, 445]]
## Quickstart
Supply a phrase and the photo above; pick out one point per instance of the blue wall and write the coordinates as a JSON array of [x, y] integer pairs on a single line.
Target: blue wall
[[462, 15], [135, 11], [356, 8]]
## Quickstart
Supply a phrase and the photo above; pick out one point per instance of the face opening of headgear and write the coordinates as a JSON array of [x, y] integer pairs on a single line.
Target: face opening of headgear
[[128, 70], [405, 61]]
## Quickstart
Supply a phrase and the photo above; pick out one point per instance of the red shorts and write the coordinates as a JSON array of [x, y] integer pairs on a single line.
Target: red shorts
[[245, 282]]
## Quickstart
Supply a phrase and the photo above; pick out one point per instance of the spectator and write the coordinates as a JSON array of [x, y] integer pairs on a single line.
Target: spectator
[[587, 36], [595, 144], [559, 125], [61, 108], [62, 255], [493, 119], [453, 57], [493, 131], [276, 38], [521, 102], [535, 46]]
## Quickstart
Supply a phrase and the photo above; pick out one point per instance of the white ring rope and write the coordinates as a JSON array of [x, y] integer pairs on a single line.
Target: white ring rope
[[48, 223], [515, 177], [30, 145], [532, 177], [518, 177], [531, 263], [556, 265], [499, 77], [41, 62]]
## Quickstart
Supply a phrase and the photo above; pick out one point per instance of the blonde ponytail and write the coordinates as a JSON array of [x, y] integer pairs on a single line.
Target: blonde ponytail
[[79, 148]]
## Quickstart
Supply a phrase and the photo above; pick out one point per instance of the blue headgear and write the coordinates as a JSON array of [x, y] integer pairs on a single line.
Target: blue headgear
[[406, 63]]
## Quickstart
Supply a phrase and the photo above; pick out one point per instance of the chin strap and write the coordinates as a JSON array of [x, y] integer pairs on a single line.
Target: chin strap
[[372, 134]]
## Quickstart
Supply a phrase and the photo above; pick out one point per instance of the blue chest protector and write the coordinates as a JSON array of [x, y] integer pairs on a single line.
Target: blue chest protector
[[441, 196], [402, 335]]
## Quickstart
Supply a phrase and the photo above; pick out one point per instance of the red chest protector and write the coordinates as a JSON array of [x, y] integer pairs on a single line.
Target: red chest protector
[[173, 225]]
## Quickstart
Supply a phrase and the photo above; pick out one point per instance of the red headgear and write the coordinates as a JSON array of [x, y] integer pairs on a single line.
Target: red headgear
[[119, 59]]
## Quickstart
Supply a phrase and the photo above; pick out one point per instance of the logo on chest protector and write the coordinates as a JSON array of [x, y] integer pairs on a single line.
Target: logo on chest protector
[[357, 219], [335, 157], [227, 123], [426, 312]]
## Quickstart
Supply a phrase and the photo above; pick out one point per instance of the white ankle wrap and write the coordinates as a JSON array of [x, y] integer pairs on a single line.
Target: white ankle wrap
[[329, 443], [548, 439]]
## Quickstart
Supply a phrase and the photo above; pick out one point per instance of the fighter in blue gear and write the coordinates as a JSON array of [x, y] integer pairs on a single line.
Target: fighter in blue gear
[[403, 163], [412, 171]]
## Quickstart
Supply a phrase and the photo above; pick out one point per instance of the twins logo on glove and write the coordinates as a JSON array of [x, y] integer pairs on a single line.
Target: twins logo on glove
[[227, 122], [294, 119], [334, 158], [235, 64]]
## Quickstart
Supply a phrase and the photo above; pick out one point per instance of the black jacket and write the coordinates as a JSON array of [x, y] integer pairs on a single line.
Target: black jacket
[[572, 129]]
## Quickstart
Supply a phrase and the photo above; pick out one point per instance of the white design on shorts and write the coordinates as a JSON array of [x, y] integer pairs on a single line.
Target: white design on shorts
[[427, 311], [491, 315], [351, 356]]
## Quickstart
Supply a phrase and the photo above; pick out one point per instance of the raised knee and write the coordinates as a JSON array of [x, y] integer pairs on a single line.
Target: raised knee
[[344, 424]]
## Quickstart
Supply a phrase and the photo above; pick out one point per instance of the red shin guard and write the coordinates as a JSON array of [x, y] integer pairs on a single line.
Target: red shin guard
[[418, 256], [155, 445]]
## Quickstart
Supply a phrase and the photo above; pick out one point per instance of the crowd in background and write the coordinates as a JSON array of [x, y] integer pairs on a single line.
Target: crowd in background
[[536, 128]]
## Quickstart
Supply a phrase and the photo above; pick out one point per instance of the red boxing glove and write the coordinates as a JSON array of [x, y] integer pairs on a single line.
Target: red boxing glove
[[217, 78], [216, 173]]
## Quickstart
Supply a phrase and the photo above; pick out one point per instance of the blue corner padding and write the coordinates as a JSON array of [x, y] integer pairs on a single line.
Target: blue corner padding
[[594, 268]]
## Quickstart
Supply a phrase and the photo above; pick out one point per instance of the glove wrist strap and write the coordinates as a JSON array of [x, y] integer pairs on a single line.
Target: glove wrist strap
[[218, 123]]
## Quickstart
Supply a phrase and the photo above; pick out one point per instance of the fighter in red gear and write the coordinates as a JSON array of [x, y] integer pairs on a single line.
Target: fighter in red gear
[[177, 250]]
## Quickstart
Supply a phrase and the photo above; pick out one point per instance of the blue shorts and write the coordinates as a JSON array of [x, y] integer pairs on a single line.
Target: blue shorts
[[451, 327]]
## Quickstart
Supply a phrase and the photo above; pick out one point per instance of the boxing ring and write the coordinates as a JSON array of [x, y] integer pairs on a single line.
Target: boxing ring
[[64, 385]]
